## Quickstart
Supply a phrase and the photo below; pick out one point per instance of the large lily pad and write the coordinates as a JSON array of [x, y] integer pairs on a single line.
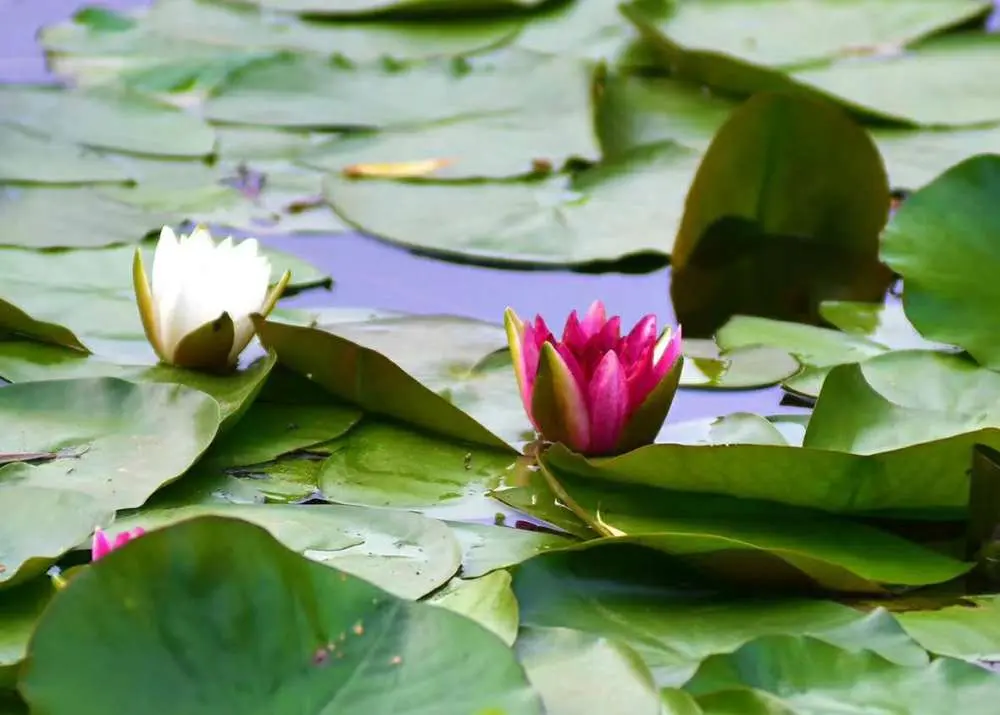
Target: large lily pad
[[556, 222], [406, 554], [943, 242], [22, 607], [107, 121], [804, 675], [784, 212], [612, 592], [969, 629], [22, 361], [487, 548], [286, 635], [38, 525], [27, 158], [116, 441], [755, 544]]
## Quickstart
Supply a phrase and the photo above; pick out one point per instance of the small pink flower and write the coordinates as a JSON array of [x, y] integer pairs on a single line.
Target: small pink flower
[[102, 545], [594, 390]]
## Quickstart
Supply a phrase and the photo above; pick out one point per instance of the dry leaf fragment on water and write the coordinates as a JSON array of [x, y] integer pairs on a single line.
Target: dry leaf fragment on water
[[396, 170]]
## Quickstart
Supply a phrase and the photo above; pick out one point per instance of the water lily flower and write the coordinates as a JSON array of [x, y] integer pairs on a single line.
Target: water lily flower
[[595, 391], [102, 545], [196, 314]]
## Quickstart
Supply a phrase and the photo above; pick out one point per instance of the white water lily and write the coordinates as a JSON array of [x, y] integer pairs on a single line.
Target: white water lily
[[196, 313]]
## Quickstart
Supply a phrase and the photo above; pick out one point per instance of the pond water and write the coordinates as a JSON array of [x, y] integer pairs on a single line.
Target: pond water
[[372, 274]]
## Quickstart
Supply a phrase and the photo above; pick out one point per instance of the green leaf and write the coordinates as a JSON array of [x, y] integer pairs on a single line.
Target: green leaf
[[969, 630], [915, 157], [755, 544], [817, 349], [22, 361], [365, 378], [947, 293], [38, 525], [463, 360], [28, 158], [488, 600], [612, 592], [561, 221], [751, 366], [488, 548], [21, 608], [809, 676], [117, 441], [784, 212], [406, 554], [14, 322], [106, 120], [379, 8], [884, 323], [786, 33], [388, 465], [835, 52], [578, 673], [286, 635]]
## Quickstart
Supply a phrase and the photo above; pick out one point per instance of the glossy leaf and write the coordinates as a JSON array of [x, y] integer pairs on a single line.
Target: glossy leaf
[[674, 623], [807, 676], [14, 322], [949, 290], [969, 630], [488, 600], [362, 377], [281, 620], [118, 441], [22, 607], [406, 554], [488, 548], [555, 222]]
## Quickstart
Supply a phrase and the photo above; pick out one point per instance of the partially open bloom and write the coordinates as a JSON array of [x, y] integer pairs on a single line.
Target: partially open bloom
[[196, 313], [102, 545], [594, 390]]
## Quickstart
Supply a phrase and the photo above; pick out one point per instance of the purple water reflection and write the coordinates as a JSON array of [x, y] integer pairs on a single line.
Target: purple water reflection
[[371, 274]]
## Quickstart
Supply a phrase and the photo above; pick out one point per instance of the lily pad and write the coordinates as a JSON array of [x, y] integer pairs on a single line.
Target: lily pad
[[753, 366], [488, 600], [968, 630], [281, 620], [363, 377], [611, 592], [28, 158], [488, 548], [561, 221], [578, 673], [39, 525], [784, 212], [117, 441], [22, 361], [14, 322], [804, 675], [949, 291], [406, 554], [356, 8], [122, 122], [22, 607], [755, 544]]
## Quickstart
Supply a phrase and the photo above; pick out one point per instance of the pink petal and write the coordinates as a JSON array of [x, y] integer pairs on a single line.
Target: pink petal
[[573, 335], [571, 401], [573, 365], [100, 546], [643, 335], [671, 352], [608, 402], [641, 378], [595, 318]]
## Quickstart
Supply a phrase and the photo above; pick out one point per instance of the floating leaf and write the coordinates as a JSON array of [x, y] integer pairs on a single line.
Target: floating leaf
[[280, 619], [488, 600], [752, 366], [38, 525], [28, 158], [129, 439], [407, 554], [949, 290], [105, 120], [487, 548], [22, 607], [969, 630], [556, 222], [804, 675], [14, 322], [611, 592], [379, 8]]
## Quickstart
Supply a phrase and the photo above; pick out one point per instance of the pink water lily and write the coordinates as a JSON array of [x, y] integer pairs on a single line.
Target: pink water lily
[[102, 545], [594, 390]]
